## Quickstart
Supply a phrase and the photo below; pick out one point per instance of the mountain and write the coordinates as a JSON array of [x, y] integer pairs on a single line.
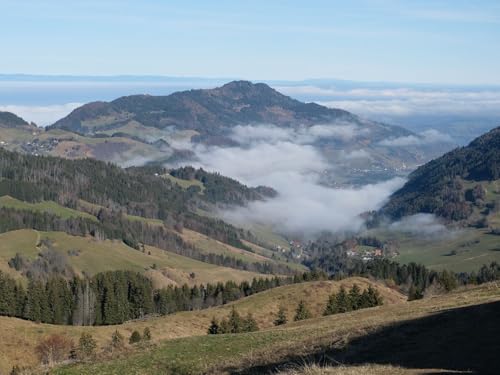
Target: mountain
[[454, 185], [210, 116], [10, 120], [213, 112], [140, 129], [206, 111]]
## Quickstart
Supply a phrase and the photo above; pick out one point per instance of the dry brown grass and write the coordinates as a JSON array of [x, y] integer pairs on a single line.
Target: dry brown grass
[[358, 370], [374, 332], [19, 337]]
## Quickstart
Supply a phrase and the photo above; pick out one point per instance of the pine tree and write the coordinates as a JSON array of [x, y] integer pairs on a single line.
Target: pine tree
[[355, 297], [249, 324], [302, 312], [331, 306], [234, 321], [375, 297], [343, 304], [281, 316]]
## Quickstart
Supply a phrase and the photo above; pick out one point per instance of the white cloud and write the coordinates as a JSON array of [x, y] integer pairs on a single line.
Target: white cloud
[[41, 115], [422, 224], [270, 134], [281, 159], [402, 101], [426, 137], [305, 206]]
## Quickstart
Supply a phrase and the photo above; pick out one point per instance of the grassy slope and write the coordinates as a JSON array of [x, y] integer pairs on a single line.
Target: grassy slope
[[473, 248], [209, 245], [21, 336], [461, 250], [185, 183], [97, 256], [45, 206], [223, 353]]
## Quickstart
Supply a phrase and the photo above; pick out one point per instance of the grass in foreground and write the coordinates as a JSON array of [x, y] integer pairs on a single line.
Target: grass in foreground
[[421, 325], [20, 336]]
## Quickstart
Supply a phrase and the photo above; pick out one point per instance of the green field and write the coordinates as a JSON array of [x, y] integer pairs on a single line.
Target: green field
[[45, 206], [185, 183], [97, 256], [460, 250]]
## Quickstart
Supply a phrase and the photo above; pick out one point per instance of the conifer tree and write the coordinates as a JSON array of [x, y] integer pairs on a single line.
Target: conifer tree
[[234, 321], [355, 297], [331, 306], [343, 304], [249, 324], [281, 316], [302, 312]]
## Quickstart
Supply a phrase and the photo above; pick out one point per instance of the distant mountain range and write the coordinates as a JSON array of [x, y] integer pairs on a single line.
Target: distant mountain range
[[461, 184], [140, 128]]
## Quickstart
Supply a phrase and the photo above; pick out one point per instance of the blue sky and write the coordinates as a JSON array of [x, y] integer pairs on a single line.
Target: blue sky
[[405, 41]]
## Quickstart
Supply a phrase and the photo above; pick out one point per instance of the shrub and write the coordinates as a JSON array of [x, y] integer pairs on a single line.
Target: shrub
[[86, 346], [146, 335], [135, 337], [117, 340], [53, 349]]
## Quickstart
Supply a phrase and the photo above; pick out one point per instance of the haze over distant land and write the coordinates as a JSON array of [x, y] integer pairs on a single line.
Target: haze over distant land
[[461, 111]]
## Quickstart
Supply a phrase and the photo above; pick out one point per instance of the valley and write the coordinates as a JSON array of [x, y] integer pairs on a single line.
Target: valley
[[168, 214]]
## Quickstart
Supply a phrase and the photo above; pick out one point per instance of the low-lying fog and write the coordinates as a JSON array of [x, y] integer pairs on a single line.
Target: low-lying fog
[[286, 160]]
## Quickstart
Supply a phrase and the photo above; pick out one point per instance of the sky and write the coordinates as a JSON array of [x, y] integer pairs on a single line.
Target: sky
[[447, 41]]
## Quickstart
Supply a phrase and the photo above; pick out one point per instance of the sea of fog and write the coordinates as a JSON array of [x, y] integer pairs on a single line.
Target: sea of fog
[[463, 112]]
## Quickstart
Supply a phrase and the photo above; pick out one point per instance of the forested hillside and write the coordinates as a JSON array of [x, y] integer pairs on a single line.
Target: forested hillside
[[137, 206], [440, 186]]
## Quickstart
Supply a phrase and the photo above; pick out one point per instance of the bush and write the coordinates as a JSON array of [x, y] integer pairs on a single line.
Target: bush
[[53, 349], [146, 335], [135, 337], [86, 346], [214, 327], [117, 341]]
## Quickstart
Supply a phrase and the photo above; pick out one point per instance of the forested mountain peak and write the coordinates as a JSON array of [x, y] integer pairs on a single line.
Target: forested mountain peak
[[210, 112], [10, 120]]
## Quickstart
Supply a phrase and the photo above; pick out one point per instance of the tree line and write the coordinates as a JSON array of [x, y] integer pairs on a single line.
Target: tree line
[[117, 296]]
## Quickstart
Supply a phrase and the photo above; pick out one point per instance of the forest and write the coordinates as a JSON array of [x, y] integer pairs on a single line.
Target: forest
[[117, 296]]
